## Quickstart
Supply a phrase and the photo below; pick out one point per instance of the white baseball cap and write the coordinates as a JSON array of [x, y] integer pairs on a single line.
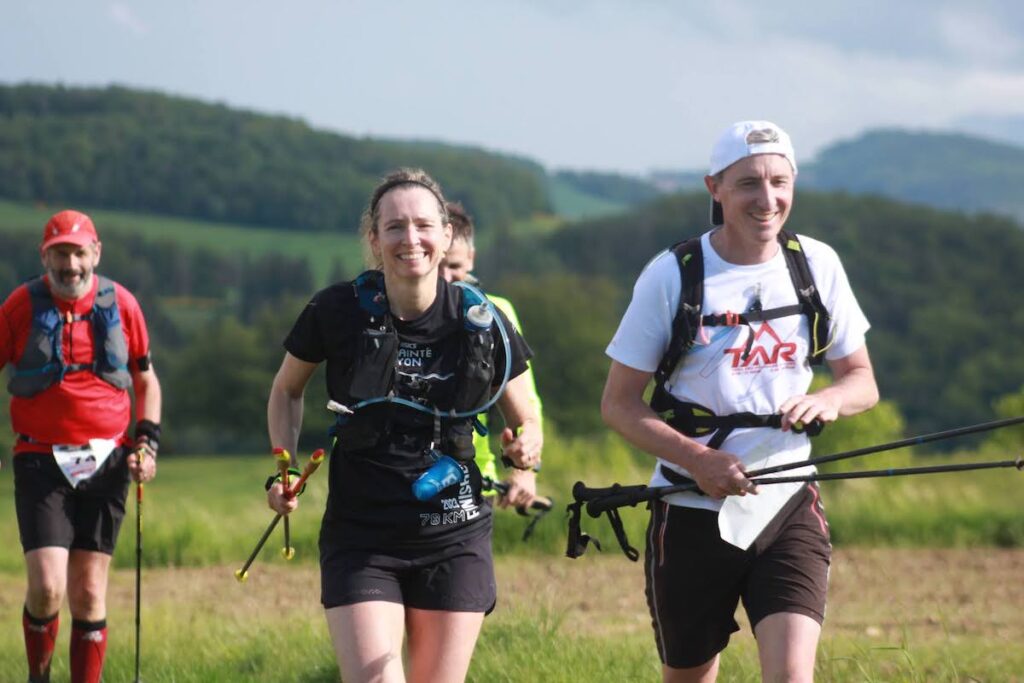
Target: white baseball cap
[[744, 139]]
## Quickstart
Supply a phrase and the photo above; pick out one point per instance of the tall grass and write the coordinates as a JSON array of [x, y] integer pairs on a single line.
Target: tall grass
[[207, 510], [202, 625]]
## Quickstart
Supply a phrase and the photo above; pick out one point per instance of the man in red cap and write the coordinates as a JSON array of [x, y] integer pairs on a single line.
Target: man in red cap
[[77, 343]]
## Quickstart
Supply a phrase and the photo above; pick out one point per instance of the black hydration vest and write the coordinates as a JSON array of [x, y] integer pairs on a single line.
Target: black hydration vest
[[373, 370], [42, 363], [695, 420]]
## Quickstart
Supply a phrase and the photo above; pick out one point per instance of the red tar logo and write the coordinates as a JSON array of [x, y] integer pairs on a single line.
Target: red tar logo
[[783, 352]]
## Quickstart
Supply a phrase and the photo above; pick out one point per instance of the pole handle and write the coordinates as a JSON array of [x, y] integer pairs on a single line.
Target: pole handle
[[539, 503], [315, 460], [284, 461]]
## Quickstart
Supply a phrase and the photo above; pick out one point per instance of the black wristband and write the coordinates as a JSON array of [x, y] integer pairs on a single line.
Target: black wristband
[[148, 430], [275, 478], [507, 462]]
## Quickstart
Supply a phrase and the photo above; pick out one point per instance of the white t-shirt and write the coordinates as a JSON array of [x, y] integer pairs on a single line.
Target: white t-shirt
[[713, 374]]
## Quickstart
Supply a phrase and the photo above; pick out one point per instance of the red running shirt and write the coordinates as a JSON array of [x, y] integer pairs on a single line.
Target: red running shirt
[[83, 406]]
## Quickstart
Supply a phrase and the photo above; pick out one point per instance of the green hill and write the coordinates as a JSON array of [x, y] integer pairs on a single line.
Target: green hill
[[223, 222], [148, 152], [939, 169], [584, 194], [944, 170]]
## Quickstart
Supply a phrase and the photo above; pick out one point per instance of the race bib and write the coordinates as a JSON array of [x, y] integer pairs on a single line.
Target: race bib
[[78, 463], [742, 518]]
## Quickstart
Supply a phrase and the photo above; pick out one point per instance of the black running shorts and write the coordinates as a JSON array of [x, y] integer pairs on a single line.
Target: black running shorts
[[456, 578], [52, 513], [695, 579]]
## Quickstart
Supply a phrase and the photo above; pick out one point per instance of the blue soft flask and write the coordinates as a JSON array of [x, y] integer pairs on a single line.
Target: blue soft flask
[[442, 474]]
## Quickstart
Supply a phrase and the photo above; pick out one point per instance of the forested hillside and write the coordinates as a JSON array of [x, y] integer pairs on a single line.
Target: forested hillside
[[141, 151], [944, 170], [939, 287], [940, 290]]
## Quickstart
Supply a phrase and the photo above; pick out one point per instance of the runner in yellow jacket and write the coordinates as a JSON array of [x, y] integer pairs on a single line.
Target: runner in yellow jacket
[[457, 264]]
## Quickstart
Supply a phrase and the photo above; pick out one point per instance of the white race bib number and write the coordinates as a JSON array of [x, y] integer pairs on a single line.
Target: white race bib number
[[742, 518], [78, 463]]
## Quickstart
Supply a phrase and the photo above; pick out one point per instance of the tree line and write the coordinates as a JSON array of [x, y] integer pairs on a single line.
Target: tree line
[[940, 290], [939, 287], [143, 151]]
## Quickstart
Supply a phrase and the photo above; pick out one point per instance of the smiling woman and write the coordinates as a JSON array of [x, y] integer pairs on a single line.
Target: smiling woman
[[404, 179], [408, 236], [415, 360]]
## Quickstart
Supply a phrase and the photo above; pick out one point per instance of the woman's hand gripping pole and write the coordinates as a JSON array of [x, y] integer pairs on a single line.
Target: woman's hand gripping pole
[[315, 460]]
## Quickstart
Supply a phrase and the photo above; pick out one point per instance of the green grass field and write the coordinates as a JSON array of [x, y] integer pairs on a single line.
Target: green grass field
[[573, 204], [895, 615], [903, 612], [321, 248]]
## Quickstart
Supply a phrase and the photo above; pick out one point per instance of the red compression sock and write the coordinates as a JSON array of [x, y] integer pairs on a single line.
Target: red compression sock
[[88, 648], [40, 638]]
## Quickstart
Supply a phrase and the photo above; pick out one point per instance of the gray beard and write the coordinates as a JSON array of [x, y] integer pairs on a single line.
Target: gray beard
[[69, 291]]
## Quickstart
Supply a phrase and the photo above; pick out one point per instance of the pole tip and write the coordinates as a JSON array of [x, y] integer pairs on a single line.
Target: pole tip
[[287, 553], [241, 576]]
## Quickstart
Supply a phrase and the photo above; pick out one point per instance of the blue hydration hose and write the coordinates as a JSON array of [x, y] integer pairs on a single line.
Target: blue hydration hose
[[445, 471]]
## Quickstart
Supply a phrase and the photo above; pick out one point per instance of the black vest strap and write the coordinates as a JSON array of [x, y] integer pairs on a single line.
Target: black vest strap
[[677, 479], [819, 321], [692, 419], [372, 375], [688, 318], [730, 319], [42, 363]]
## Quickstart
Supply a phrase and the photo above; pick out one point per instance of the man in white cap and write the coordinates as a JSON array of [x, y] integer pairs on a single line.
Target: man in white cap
[[729, 325], [77, 342]]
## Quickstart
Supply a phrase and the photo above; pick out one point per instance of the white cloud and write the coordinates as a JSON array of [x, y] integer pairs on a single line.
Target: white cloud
[[623, 85], [977, 38], [125, 17]]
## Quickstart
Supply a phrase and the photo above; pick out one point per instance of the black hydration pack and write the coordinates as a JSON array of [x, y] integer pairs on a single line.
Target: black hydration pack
[[42, 363], [695, 420], [373, 372]]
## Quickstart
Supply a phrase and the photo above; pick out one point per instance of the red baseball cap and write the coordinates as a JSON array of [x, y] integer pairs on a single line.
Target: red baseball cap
[[68, 227]]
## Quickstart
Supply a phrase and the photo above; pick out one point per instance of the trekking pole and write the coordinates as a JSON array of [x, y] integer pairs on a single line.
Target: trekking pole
[[314, 462], [892, 472], [893, 445], [599, 500], [608, 500], [541, 504], [284, 461], [602, 500], [139, 488]]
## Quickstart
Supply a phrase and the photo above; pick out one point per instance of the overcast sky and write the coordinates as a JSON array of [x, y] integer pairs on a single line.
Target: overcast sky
[[618, 85]]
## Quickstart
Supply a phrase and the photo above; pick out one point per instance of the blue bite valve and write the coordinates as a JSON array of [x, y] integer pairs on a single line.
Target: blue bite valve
[[442, 474]]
